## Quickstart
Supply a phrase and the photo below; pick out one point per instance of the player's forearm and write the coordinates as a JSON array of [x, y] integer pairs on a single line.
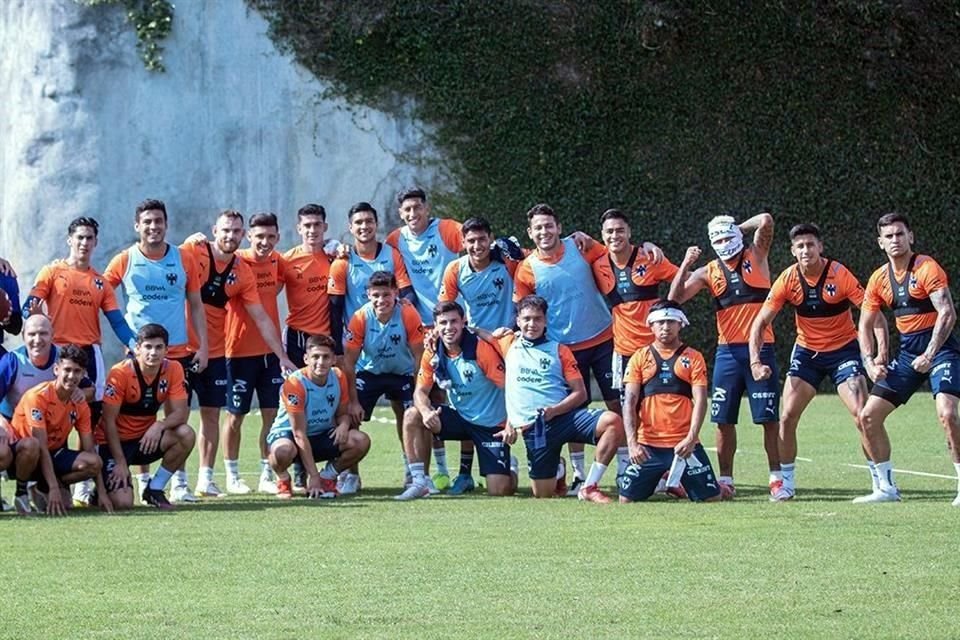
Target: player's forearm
[[752, 224], [756, 339], [305, 451], [350, 371], [421, 399], [630, 400], [112, 434], [881, 334], [198, 316], [574, 399], [678, 288], [46, 466], [946, 319], [699, 411], [865, 334]]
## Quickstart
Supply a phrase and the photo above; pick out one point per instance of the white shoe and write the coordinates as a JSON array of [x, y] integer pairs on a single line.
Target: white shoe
[[780, 492], [182, 493], [878, 496], [237, 487], [414, 491], [23, 506], [208, 490], [432, 488], [348, 484], [5, 506], [82, 493], [141, 487], [267, 484], [575, 486]]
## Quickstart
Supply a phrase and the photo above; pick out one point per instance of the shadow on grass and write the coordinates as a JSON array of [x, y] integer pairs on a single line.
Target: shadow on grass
[[833, 494]]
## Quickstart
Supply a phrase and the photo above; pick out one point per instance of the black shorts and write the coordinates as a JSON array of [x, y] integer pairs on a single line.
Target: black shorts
[[371, 386], [253, 373]]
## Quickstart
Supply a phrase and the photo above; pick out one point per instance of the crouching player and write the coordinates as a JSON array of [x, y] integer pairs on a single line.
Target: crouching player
[[42, 421], [668, 380], [544, 389], [313, 424], [472, 373], [130, 432]]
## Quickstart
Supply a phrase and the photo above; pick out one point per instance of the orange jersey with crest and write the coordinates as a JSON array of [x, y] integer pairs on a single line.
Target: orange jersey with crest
[[664, 418], [240, 284], [305, 276], [819, 332], [926, 277], [242, 336], [74, 299], [630, 328], [123, 387], [41, 408], [734, 321]]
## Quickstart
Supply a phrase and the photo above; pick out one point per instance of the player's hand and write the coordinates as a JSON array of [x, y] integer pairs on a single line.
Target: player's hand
[[582, 240], [431, 340], [313, 486], [196, 238], [7, 269], [55, 502], [355, 411], [35, 306], [638, 453], [105, 504], [341, 434], [549, 413], [343, 251], [287, 366], [690, 257], [151, 439], [684, 448], [876, 370], [921, 364], [760, 371], [508, 434], [431, 419], [119, 476], [653, 252], [78, 395], [501, 332], [199, 361], [6, 318]]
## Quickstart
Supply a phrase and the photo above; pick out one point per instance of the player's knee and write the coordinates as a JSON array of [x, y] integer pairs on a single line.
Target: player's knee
[[411, 418], [360, 441], [867, 420], [29, 447], [625, 500], [187, 436], [89, 463], [948, 417], [283, 451], [122, 500]]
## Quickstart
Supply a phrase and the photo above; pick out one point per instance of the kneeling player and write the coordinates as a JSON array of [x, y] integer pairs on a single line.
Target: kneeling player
[[471, 371], [668, 380], [130, 432], [42, 421], [543, 390], [313, 424]]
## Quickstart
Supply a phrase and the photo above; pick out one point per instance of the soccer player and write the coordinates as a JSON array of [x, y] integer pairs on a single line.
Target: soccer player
[[313, 424], [13, 322], [348, 292], [472, 373], [822, 291], [545, 396], [131, 431], [252, 364], [915, 287], [738, 281], [383, 349], [666, 402], [225, 277], [47, 414]]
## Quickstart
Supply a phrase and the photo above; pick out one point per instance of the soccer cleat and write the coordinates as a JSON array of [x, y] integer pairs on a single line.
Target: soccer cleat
[[300, 480], [5, 506], [328, 488], [592, 493], [779, 492], [414, 491], [181, 493], [575, 486], [441, 481], [462, 484], [677, 492], [237, 487], [879, 496], [208, 490], [82, 492], [156, 498], [432, 488], [284, 489], [561, 489], [348, 484], [267, 483], [39, 499], [22, 505], [727, 491]]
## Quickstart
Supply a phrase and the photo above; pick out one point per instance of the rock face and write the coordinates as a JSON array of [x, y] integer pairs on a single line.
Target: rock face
[[86, 130]]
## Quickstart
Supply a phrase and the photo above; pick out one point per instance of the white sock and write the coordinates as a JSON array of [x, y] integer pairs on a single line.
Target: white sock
[[596, 472], [233, 470], [181, 479], [160, 478], [623, 460], [776, 476], [514, 466], [440, 457], [416, 470], [788, 469], [329, 472], [561, 470], [725, 480], [956, 465], [264, 464], [144, 479], [578, 460], [406, 464], [874, 478], [206, 474], [885, 476]]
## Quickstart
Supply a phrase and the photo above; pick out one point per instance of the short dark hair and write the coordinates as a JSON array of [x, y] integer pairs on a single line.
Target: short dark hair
[[152, 330], [476, 224], [541, 209], [362, 206], [660, 305], [231, 214], [319, 340], [805, 229], [150, 204], [613, 214], [264, 219], [532, 302], [382, 279], [83, 221], [73, 353], [446, 307], [411, 192], [311, 210], [888, 219]]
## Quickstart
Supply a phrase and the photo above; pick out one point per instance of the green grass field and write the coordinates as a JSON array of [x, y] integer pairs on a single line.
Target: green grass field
[[476, 567]]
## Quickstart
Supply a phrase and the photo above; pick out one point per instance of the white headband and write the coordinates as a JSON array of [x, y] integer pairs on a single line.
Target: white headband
[[668, 314], [725, 227]]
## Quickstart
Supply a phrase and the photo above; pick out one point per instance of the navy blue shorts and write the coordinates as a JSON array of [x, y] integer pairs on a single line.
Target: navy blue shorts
[[211, 384], [579, 425], [732, 377], [63, 460], [493, 455], [813, 366], [131, 453], [249, 373], [321, 444], [903, 380], [639, 481], [371, 386], [599, 360], [295, 344]]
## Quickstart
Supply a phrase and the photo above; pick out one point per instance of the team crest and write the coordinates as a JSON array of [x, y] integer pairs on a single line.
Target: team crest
[[831, 289], [468, 375], [395, 338], [73, 417], [330, 399], [36, 415], [293, 399], [685, 362], [110, 391], [231, 277], [98, 283], [545, 363], [498, 283], [347, 335], [432, 251], [171, 279], [163, 385], [748, 266], [913, 281], [641, 270]]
